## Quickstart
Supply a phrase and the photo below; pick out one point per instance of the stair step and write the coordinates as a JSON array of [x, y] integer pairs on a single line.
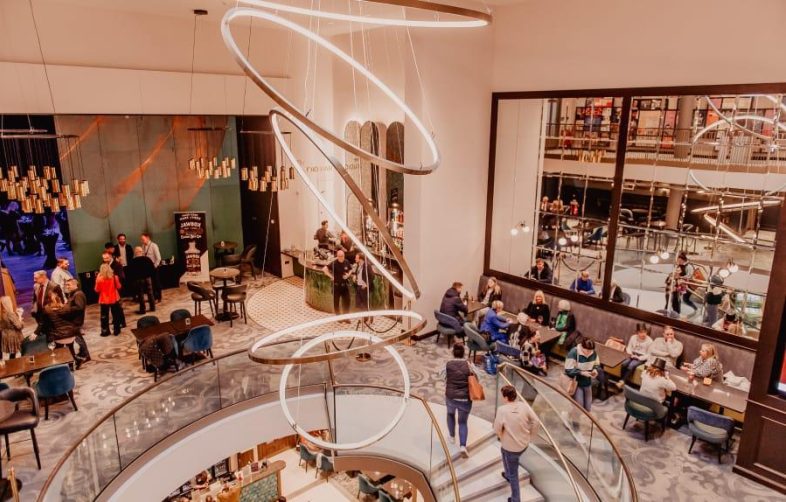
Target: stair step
[[466, 468], [528, 494], [492, 482]]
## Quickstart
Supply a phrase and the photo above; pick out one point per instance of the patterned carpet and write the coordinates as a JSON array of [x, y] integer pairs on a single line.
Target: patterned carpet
[[662, 468]]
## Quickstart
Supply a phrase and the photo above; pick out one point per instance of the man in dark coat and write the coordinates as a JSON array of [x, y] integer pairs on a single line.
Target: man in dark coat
[[140, 275], [75, 312], [541, 272], [452, 304], [42, 290]]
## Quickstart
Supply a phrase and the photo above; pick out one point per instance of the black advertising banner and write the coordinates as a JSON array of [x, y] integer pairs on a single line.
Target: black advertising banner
[[191, 228]]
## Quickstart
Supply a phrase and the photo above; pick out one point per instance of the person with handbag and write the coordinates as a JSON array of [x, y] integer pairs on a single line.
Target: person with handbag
[[581, 366], [458, 373], [515, 425]]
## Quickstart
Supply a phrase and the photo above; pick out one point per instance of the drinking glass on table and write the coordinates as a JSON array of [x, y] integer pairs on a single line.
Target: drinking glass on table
[[52, 346]]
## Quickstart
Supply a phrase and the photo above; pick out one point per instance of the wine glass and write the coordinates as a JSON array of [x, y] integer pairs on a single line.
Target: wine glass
[[52, 346]]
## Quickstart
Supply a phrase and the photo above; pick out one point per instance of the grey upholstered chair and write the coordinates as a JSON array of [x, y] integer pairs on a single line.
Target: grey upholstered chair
[[448, 326], [475, 341], [644, 409], [710, 428]]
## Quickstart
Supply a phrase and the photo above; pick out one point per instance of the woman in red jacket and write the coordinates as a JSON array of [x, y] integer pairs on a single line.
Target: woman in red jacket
[[108, 289]]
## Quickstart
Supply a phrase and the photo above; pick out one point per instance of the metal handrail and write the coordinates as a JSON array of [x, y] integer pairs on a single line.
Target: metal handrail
[[526, 375], [434, 422]]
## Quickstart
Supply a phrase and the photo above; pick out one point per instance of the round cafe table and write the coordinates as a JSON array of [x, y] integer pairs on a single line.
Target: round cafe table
[[224, 274]]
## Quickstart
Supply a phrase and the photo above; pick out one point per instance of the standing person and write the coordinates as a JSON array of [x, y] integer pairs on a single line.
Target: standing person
[[323, 235], [516, 424], [123, 251], [140, 272], [150, 249], [685, 273], [339, 272], [362, 282], [75, 312], [60, 274], [637, 349], [457, 401], [582, 364], [109, 259], [42, 289], [108, 289], [452, 305], [655, 381], [11, 328]]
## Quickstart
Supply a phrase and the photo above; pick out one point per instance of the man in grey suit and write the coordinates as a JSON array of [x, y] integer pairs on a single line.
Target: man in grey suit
[[42, 289]]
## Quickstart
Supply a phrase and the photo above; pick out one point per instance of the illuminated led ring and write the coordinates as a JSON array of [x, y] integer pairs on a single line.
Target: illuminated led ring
[[282, 389], [256, 355], [359, 195], [476, 18], [282, 101]]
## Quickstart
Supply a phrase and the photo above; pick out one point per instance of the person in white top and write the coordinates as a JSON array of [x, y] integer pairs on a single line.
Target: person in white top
[[61, 275], [516, 424], [666, 347], [637, 348], [150, 249], [655, 381]]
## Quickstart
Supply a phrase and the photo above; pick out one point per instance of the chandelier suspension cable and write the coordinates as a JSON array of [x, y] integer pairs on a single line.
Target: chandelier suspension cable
[[193, 58], [43, 60], [424, 101]]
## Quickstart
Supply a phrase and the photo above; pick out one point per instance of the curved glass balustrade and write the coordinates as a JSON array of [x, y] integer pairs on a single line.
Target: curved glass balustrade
[[576, 436]]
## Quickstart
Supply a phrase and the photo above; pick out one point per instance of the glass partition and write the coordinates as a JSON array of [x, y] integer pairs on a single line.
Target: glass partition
[[701, 196]]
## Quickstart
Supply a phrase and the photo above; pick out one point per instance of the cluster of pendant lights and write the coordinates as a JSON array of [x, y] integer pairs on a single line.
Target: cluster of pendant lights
[[39, 188], [207, 168], [272, 178]]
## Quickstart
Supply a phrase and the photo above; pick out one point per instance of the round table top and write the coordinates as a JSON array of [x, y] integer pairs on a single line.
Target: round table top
[[224, 273], [7, 409], [225, 245]]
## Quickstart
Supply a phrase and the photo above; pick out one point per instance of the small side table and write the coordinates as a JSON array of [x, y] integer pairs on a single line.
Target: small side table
[[225, 274]]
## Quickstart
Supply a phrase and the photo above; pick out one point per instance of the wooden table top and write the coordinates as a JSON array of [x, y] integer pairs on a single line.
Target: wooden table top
[[474, 306], [398, 488], [224, 273], [378, 477], [176, 328], [610, 357], [716, 393], [21, 365]]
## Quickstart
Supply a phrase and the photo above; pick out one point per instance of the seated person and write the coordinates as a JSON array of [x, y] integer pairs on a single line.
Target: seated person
[[706, 365], [494, 325], [538, 309], [452, 305], [532, 358], [616, 293], [491, 293], [565, 321], [666, 347], [730, 323], [541, 272], [637, 349], [323, 235], [655, 381], [583, 284]]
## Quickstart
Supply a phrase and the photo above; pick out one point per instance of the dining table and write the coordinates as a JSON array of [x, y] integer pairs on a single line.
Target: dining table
[[178, 328], [399, 489], [28, 365], [722, 395], [224, 274]]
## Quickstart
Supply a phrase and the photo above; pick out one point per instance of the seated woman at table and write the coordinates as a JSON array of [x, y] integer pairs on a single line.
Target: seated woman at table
[[655, 381], [666, 347], [637, 348], [494, 325], [532, 359], [706, 365], [57, 321], [583, 284], [538, 309], [565, 321], [730, 323]]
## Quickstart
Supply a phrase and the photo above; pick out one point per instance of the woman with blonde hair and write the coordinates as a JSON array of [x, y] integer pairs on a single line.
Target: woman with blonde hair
[[707, 364], [108, 289], [11, 328], [538, 309]]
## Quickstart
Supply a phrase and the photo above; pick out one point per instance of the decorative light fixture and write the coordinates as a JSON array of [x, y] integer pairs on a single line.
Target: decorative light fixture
[[654, 259], [520, 227], [724, 273], [276, 179], [733, 267], [664, 255], [562, 241]]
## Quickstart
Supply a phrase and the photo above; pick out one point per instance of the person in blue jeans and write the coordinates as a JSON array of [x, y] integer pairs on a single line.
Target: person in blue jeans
[[457, 401], [515, 425]]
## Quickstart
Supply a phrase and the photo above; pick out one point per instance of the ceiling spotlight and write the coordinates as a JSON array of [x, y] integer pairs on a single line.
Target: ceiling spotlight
[[562, 241], [654, 259], [664, 255], [724, 273], [514, 231]]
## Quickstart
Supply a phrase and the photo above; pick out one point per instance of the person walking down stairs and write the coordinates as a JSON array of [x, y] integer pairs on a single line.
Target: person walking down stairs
[[515, 425]]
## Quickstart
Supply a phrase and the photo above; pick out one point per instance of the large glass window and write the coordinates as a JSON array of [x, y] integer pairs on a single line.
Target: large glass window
[[701, 196]]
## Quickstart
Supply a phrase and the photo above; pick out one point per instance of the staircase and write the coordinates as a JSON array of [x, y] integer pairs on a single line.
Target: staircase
[[480, 476]]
